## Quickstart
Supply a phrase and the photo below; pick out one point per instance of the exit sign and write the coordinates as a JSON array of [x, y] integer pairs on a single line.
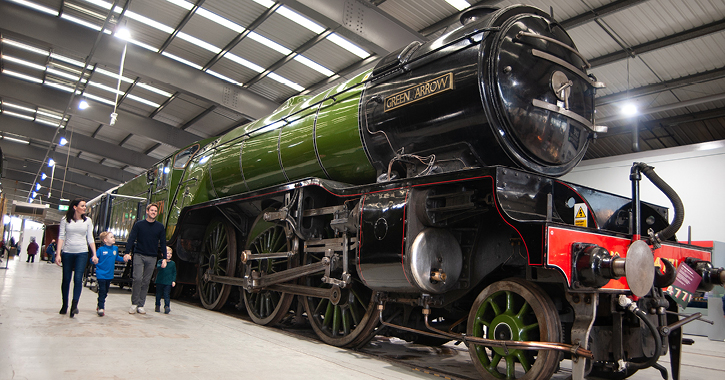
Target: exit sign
[[63, 207]]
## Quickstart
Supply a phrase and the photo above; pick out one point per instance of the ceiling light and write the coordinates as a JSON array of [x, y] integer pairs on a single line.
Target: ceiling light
[[67, 60], [301, 20], [269, 43], [37, 186], [18, 107], [58, 86], [347, 45], [202, 44], [63, 141], [25, 47], [123, 33], [459, 4], [18, 115], [33, 194], [16, 140], [51, 163], [83, 105], [154, 89], [142, 100], [314, 65], [220, 20], [23, 62], [629, 109], [78, 21], [147, 21], [244, 62], [265, 3], [22, 76], [113, 75], [43, 176], [99, 99], [184, 4], [182, 60], [37, 7]]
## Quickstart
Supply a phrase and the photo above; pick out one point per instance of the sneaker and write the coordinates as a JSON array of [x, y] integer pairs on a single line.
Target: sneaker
[[133, 309], [140, 310], [157, 309], [167, 310], [100, 312]]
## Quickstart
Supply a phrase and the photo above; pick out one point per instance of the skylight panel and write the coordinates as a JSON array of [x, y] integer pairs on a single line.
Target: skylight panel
[[224, 78], [143, 45], [202, 44], [347, 45], [100, 3], [22, 76], [314, 65], [23, 62], [244, 62], [220, 20], [142, 100], [302, 20], [182, 60], [78, 21], [37, 7], [184, 4], [269, 43], [98, 99], [459, 4], [265, 3], [285, 81], [147, 21], [58, 86], [154, 89], [25, 47]]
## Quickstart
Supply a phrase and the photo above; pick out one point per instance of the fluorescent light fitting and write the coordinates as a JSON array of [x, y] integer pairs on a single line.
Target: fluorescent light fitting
[[18, 107], [65, 75], [314, 65], [301, 20], [16, 140], [147, 21], [265, 3], [58, 86], [37, 7], [102, 4], [347, 45], [54, 116], [202, 44], [22, 76], [142, 100], [154, 89], [23, 46], [23, 62], [106, 88], [182, 60], [220, 20], [78, 21], [67, 60], [244, 62], [184, 4], [224, 78], [285, 81], [19, 115], [48, 122], [459, 4], [99, 99], [268, 43]]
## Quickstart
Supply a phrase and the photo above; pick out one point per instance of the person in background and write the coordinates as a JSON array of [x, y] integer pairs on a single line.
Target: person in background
[[32, 250], [50, 251], [165, 280], [143, 243], [107, 257], [74, 240]]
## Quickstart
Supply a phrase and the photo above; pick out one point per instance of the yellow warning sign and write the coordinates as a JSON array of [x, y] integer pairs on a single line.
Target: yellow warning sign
[[581, 212]]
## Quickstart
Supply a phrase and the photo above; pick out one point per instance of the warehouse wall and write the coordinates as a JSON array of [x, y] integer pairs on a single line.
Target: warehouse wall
[[695, 172]]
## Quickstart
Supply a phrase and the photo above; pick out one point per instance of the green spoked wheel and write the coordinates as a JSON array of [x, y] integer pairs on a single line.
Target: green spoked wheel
[[514, 309], [267, 307], [352, 322], [218, 258]]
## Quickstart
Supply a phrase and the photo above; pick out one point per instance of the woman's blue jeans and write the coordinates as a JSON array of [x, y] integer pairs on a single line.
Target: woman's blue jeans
[[74, 264]]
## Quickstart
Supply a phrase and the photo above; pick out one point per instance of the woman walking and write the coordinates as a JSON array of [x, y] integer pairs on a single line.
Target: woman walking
[[75, 237]]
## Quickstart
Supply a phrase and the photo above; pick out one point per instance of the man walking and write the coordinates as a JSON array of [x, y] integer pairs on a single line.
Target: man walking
[[143, 246]]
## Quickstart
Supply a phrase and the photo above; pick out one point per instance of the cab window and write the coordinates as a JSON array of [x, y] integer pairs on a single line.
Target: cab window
[[182, 158]]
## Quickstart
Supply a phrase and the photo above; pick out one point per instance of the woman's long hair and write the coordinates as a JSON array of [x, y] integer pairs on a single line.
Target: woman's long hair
[[71, 210]]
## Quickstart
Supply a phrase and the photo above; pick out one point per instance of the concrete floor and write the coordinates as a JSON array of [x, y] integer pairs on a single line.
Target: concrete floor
[[193, 343]]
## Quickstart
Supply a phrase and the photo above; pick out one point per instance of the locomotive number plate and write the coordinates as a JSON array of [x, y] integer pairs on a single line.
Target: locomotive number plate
[[419, 91]]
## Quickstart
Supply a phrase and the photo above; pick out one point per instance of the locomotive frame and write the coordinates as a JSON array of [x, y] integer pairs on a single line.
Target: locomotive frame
[[412, 199]]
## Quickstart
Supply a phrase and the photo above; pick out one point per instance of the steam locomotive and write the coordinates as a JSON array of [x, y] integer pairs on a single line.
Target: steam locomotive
[[420, 200]]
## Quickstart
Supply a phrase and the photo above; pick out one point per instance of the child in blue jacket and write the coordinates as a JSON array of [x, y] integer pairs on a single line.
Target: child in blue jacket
[[165, 280], [107, 257]]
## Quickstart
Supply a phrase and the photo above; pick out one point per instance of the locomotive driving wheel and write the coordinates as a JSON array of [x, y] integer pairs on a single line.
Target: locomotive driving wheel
[[514, 309], [218, 258], [347, 323], [267, 307]]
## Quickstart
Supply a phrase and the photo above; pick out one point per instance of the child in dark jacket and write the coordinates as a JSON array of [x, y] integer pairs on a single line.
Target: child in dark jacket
[[165, 280], [107, 257]]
